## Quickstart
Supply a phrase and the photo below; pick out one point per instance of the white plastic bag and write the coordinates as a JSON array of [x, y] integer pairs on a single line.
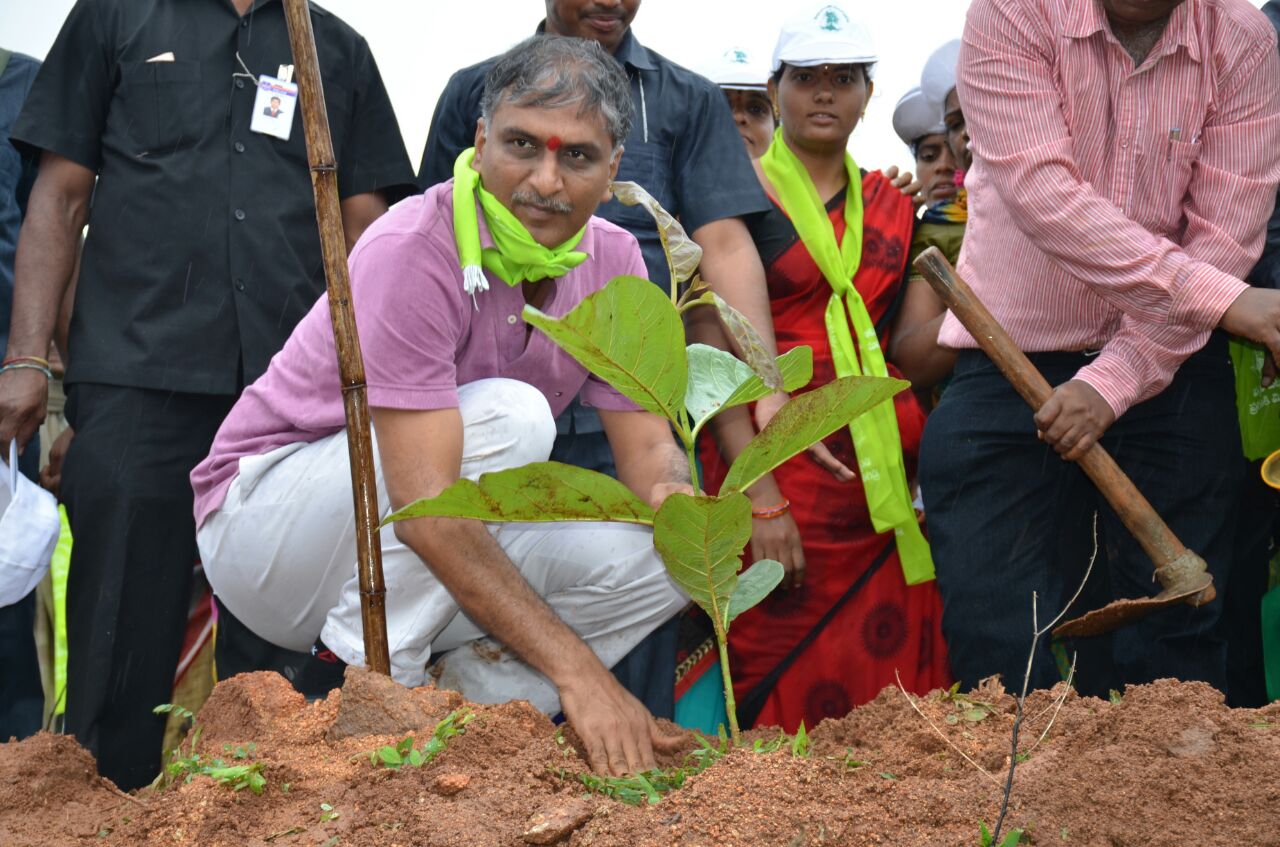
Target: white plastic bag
[[29, 529]]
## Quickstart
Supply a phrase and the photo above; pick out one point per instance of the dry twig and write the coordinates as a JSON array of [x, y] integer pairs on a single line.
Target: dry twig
[[1037, 633], [1057, 704], [939, 732]]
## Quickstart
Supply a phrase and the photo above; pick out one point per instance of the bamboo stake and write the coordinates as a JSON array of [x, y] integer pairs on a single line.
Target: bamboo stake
[[333, 246]]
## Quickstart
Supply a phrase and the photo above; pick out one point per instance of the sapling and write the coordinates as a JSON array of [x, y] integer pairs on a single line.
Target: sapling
[[192, 764], [631, 335], [405, 754]]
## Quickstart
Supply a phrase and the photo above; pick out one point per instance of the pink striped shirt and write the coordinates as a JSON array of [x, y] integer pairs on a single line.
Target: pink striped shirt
[[1112, 208]]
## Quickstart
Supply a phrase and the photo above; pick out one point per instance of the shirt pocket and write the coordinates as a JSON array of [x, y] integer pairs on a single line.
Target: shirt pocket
[[1180, 162], [163, 105]]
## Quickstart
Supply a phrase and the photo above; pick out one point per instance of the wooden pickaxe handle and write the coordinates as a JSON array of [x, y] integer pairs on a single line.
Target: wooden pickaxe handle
[[1169, 555]]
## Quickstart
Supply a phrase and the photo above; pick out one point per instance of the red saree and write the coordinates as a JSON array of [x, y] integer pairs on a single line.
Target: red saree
[[886, 626]]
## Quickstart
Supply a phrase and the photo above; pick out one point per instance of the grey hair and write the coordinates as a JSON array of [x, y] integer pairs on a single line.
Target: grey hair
[[554, 71]]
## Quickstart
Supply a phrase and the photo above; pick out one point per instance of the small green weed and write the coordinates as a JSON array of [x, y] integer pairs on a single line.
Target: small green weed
[[850, 762], [1012, 838], [188, 767], [166, 708], [327, 813], [1115, 697], [405, 754], [798, 744]]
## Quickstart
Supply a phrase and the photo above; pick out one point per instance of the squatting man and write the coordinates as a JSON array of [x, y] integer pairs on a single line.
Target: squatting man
[[459, 385]]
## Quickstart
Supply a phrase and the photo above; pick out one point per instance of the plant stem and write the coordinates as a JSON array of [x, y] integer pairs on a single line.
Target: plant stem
[[690, 452], [730, 702]]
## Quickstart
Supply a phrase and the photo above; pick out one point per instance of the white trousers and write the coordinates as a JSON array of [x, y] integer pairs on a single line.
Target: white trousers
[[280, 554]]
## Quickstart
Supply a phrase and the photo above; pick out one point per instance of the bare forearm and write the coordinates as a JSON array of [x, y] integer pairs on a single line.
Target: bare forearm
[[493, 593], [918, 356], [731, 266], [662, 464], [48, 245]]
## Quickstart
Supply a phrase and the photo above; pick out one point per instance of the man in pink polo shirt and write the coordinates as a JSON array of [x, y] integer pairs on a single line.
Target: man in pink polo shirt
[[1125, 158], [459, 385]]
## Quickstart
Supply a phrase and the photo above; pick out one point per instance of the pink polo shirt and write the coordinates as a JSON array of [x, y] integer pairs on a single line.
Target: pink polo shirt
[[1113, 207], [421, 336]]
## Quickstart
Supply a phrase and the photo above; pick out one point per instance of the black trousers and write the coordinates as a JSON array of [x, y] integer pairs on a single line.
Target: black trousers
[[128, 497], [1242, 602], [1008, 517]]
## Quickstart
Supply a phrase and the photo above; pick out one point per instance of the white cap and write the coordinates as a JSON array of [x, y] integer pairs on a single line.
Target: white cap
[[939, 75], [825, 37], [916, 116], [736, 68]]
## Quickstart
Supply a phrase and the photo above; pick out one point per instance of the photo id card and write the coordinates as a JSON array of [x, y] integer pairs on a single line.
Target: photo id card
[[274, 106]]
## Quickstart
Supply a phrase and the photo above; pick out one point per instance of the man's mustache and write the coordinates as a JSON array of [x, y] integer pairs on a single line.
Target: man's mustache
[[533, 198]]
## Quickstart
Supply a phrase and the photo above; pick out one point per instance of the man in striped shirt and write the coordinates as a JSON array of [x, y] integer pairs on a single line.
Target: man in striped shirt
[[1126, 155]]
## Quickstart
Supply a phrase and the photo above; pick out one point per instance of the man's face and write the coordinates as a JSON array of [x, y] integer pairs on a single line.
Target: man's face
[[550, 167], [1138, 12], [957, 134], [753, 115], [605, 21], [936, 168], [275, 102]]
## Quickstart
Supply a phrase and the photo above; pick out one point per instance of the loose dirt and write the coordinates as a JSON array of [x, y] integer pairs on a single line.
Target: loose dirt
[[1167, 765]]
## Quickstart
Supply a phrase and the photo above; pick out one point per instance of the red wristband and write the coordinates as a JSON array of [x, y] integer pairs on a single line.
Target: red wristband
[[773, 511]]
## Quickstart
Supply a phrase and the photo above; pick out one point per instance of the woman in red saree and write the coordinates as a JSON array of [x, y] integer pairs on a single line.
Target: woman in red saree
[[845, 617]]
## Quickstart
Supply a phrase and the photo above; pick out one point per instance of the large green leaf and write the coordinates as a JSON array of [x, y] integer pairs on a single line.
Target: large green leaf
[[805, 420], [718, 380], [544, 491], [754, 584], [629, 335], [701, 540]]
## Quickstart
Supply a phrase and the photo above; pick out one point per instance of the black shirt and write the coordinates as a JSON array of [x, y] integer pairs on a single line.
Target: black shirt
[[203, 251], [683, 148]]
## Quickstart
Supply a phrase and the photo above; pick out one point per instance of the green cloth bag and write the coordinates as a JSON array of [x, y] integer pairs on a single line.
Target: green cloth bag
[[1258, 408], [1271, 641]]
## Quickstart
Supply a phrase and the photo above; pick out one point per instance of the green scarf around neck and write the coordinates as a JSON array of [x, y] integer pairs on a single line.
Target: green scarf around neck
[[515, 256], [875, 433]]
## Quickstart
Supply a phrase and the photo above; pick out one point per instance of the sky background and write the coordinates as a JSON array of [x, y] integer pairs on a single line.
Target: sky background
[[419, 43]]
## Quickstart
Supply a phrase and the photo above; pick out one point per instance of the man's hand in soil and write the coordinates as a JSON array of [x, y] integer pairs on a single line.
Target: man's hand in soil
[[617, 731], [1073, 419]]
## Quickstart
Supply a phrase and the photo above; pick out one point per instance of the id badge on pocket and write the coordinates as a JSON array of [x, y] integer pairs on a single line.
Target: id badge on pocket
[[273, 107]]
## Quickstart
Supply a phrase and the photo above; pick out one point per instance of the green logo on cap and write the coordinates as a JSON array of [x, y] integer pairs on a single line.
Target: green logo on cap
[[739, 57], [832, 18]]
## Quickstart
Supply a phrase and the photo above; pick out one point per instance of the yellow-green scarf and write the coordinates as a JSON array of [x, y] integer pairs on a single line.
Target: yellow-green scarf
[[515, 256], [875, 434]]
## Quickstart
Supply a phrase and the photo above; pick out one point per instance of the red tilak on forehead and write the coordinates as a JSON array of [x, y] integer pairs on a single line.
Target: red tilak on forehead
[[553, 143]]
